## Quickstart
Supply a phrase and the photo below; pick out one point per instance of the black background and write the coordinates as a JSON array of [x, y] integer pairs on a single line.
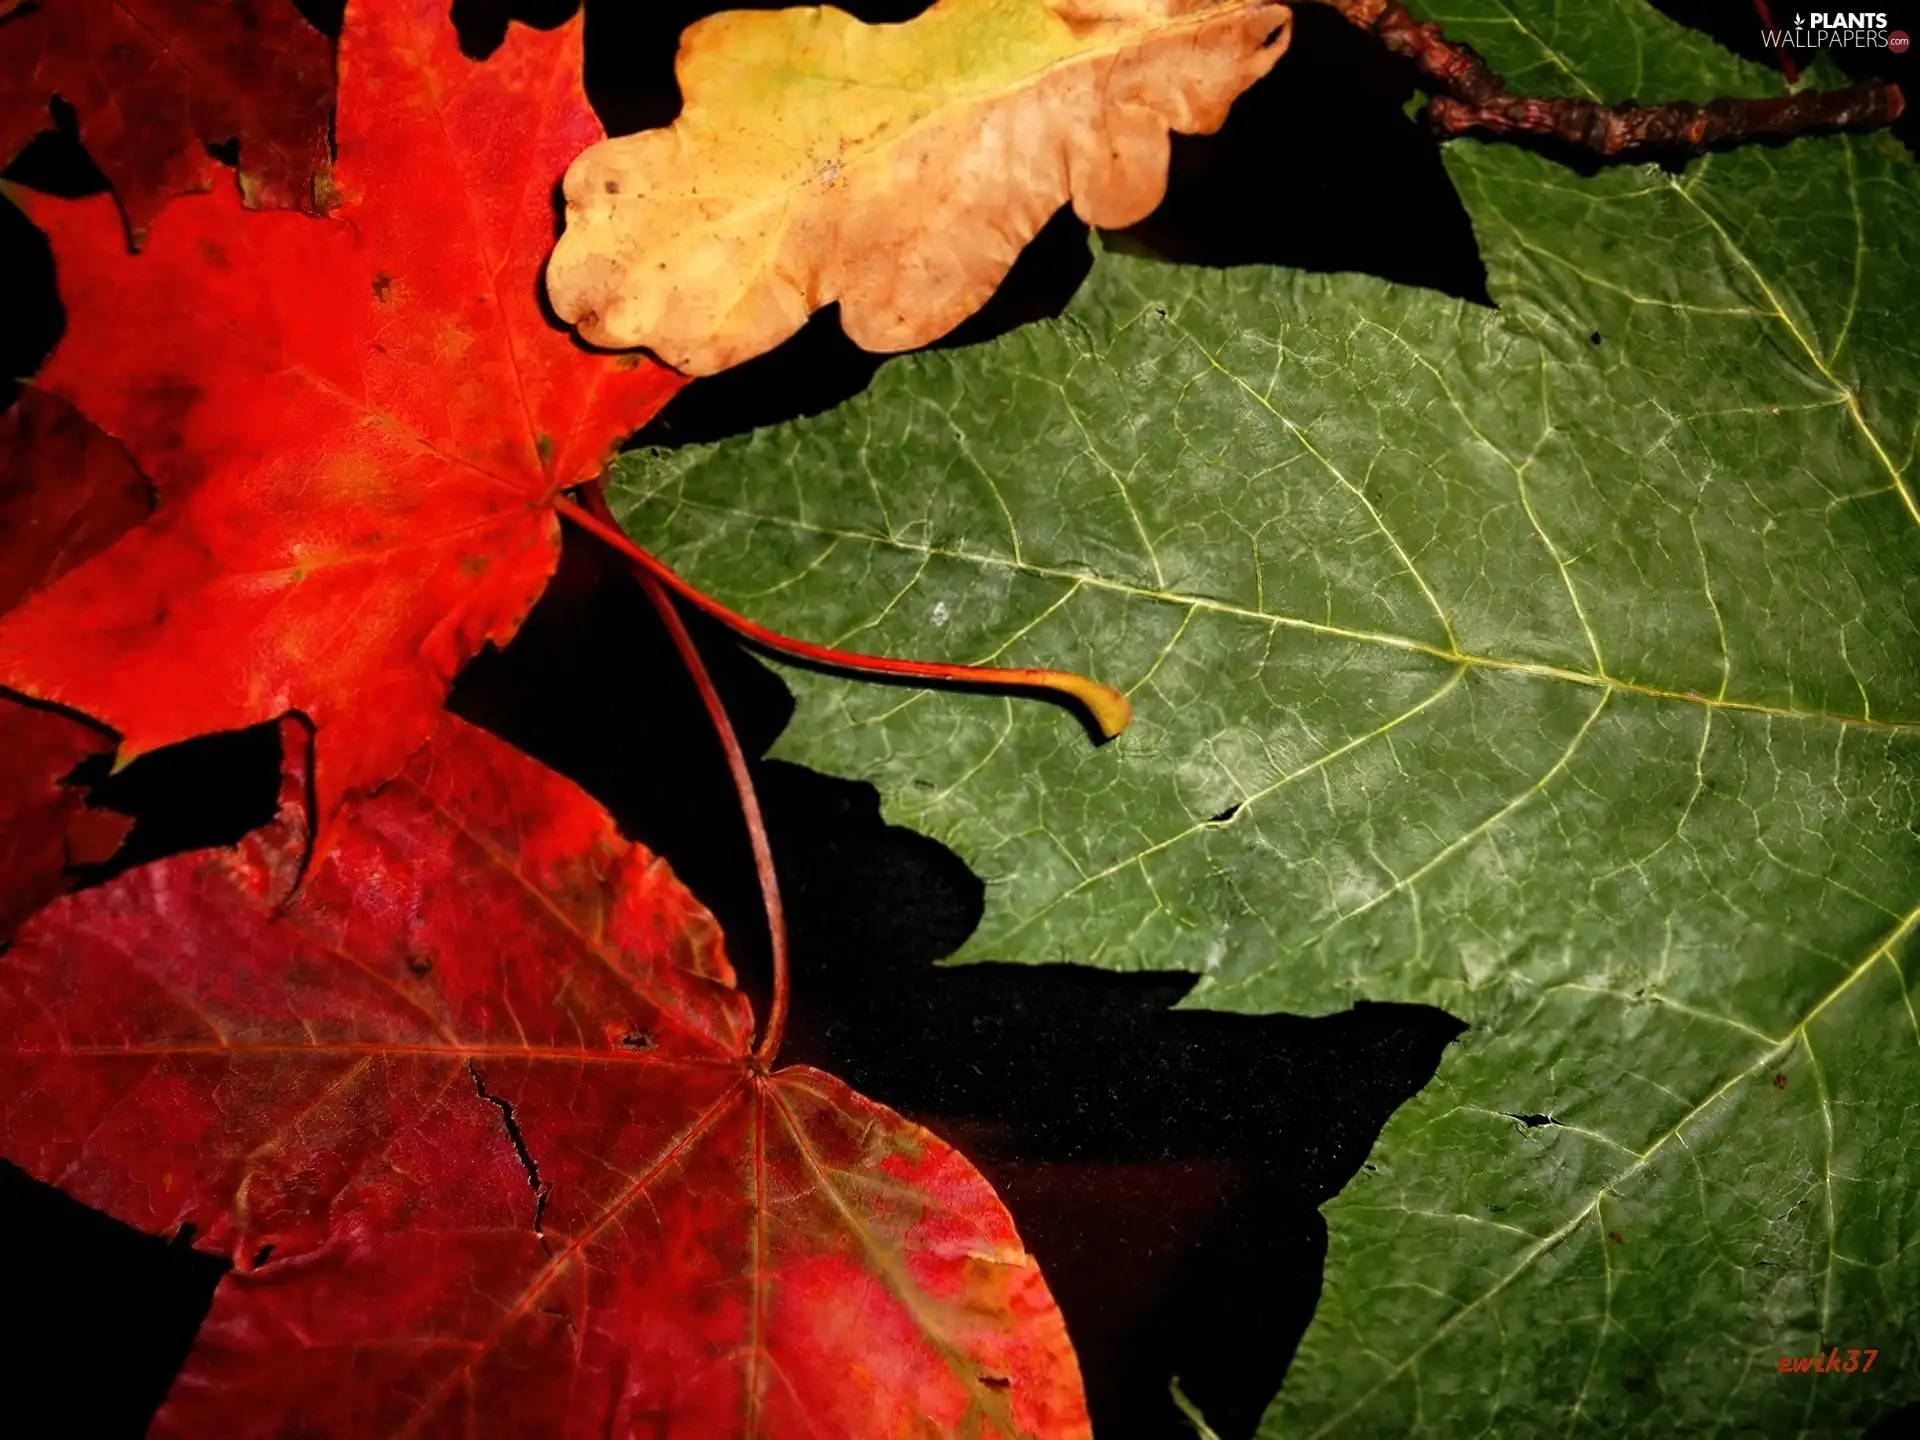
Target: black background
[[1165, 1167]]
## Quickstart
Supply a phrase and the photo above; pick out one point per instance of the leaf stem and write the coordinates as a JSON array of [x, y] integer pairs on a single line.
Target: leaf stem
[[1789, 67], [1468, 97], [594, 518], [1109, 709]]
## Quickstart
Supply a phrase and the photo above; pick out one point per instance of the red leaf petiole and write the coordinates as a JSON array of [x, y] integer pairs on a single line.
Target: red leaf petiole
[[776, 1025], [1110, 709], [1789, 67]]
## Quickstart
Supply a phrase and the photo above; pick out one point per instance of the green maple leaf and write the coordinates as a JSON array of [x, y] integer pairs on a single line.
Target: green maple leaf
[[1556, 664]]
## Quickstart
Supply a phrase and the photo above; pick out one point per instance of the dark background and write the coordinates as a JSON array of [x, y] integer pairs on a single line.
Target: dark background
[[1165, 1167]]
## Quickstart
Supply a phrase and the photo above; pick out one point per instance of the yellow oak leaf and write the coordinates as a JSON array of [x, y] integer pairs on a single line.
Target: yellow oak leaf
[[897, 169]]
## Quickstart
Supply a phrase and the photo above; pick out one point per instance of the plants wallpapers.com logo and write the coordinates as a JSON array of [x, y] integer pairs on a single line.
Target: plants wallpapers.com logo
[[1838, 30]]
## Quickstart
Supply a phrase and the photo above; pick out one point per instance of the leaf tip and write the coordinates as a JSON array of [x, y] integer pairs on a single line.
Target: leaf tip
[[1110, 710]]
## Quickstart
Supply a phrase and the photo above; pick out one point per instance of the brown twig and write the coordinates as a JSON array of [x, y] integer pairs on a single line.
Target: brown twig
[[1468, 97]]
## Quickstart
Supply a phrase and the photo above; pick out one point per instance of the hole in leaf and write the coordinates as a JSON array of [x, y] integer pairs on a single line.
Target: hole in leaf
[[227, 151], [1533, 1122], [1225, 815], [262, 1256]]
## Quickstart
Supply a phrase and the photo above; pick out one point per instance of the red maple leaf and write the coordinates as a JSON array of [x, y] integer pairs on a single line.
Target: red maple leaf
[[357, 426], [474, 1117], [66, 493], [154, 83]]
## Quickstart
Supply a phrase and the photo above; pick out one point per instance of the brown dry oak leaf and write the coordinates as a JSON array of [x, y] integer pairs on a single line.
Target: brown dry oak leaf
[[896, 169]]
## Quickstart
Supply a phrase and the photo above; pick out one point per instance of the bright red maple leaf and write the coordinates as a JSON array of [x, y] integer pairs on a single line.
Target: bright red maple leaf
[[474, 1117], [66, 493], [153, 83], [356, 426]]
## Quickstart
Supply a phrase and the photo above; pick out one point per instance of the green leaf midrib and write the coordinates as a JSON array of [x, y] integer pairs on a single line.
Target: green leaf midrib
[[1459, 664], [1084, 579]]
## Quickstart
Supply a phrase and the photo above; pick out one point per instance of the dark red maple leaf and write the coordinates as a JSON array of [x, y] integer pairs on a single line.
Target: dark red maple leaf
[[356, 426], [474, 1117], [45, 828], [66, 493], [154, 83]]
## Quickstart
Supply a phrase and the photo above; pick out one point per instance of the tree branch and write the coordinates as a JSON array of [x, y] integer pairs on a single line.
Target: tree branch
[[1468, 97]]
